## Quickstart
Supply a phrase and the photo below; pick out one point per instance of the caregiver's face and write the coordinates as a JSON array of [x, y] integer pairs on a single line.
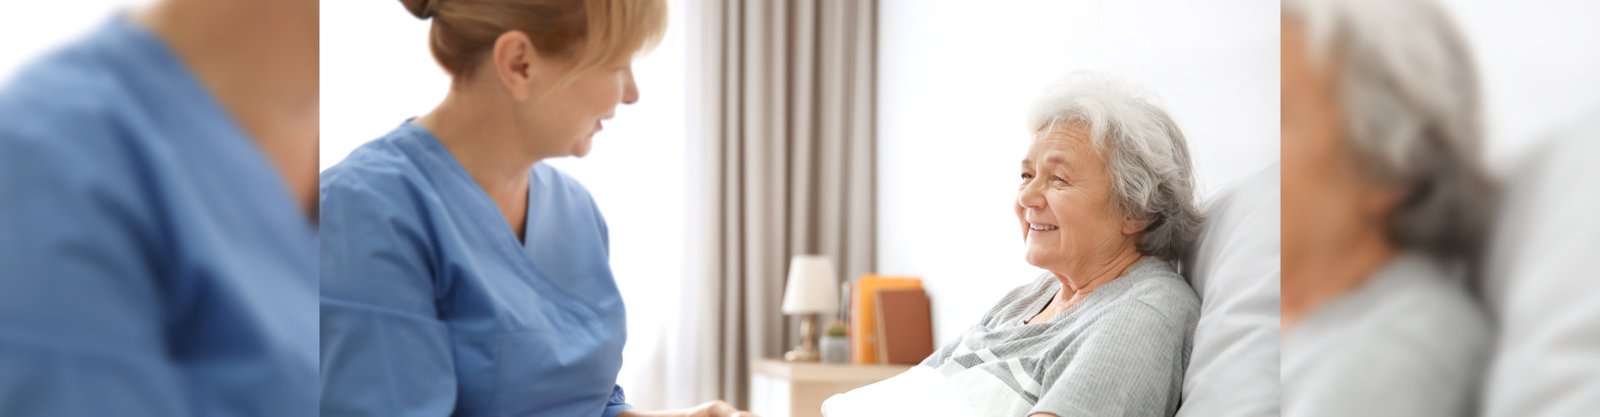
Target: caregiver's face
[[1065, 205], [571, 113]]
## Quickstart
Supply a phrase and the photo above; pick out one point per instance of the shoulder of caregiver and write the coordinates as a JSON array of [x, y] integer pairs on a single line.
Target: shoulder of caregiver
[[152, 237], [402, 201], [492, 326], [420, 188]]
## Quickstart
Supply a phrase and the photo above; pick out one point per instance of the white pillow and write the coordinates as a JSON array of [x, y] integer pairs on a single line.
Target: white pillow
[[1233, 369], [1542, 285]]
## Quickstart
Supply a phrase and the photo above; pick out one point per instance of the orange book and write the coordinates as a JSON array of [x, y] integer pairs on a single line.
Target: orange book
[[863, 318]]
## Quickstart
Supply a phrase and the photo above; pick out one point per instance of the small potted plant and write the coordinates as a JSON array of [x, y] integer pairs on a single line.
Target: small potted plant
[[835, 345]]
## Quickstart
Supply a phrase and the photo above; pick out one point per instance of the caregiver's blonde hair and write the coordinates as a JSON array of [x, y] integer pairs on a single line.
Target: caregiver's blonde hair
[[595, 33]]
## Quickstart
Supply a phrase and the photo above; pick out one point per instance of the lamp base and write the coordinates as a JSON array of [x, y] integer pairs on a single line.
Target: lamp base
[[800, 354], [807, 351]]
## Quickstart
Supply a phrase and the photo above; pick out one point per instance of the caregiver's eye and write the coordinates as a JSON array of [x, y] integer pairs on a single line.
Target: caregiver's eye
[[1027, 176], [1060, 180]]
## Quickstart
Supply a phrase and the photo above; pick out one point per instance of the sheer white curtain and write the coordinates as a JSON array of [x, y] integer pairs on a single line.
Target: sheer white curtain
[[783, 127]]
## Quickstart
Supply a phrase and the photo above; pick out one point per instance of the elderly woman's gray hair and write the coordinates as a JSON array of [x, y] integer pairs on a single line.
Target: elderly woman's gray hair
[[1411, 112], [1147, 156]]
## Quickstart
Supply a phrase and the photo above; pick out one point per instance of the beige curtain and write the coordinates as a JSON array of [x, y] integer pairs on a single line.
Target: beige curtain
[[788, 145]]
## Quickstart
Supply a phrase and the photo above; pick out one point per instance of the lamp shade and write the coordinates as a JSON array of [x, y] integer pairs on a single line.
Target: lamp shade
[[812, 287]]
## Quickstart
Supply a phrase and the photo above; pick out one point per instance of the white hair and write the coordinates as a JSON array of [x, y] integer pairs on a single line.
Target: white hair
[[1146, 155], [1411, 110]]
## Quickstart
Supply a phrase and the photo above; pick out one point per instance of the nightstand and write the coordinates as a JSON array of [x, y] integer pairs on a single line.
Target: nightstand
[[791, 389]]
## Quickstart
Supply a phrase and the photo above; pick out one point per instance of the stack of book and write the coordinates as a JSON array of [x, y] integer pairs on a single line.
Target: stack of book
[[890, 321]]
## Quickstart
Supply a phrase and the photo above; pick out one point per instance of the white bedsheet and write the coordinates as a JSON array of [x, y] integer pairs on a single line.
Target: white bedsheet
[[950, 391]]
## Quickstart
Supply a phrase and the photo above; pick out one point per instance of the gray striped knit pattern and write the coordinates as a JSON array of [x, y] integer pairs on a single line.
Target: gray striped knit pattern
[[1121, 351]]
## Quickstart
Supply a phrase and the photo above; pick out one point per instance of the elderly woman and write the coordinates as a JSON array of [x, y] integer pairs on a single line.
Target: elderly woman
[[1383, 208], [1105, 206]]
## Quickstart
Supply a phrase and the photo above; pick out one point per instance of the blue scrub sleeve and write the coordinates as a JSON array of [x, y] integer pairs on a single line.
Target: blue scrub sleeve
[[81, 306], [617, 403], [384, 350]]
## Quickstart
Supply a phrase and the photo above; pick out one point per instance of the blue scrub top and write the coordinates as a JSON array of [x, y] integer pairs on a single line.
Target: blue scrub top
[[432, 307], [152, 261]]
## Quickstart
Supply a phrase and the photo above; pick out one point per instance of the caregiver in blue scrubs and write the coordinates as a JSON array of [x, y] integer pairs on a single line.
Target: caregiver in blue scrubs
[[157, 185], [462, 276]]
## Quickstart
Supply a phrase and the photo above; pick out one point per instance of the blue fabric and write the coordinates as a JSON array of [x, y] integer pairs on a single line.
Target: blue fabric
[[152, 261], [432, 307]]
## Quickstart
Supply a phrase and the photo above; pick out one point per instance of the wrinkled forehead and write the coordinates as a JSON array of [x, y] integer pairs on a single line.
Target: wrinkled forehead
[[1065, 140]]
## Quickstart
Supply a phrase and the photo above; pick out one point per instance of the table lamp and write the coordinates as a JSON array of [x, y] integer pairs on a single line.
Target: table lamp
[[811, 290]]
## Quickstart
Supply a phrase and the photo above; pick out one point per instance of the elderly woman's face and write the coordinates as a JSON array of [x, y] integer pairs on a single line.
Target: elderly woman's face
[[1065, 204], [1327, 201]]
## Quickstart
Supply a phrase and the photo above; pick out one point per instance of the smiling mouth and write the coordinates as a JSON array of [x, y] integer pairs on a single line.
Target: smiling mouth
[[1042, 227]]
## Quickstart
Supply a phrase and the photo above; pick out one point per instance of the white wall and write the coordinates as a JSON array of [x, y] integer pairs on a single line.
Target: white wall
[[31, 28], [1538, 65], [955, 80], [375, 73], [956, 76]]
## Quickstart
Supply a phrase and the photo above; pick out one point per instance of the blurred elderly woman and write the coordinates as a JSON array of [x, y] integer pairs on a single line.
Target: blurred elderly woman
[[1383, 211], [1106, 207]]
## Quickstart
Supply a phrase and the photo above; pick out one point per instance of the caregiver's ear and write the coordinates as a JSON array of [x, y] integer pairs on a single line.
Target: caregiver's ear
[[516, 63]]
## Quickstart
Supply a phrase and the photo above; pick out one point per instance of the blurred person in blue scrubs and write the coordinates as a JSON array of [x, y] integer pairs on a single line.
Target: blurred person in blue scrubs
[[462, 276], [157, 256]]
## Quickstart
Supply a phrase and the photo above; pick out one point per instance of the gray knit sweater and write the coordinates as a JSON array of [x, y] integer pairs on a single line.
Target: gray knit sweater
[[1121, 351]]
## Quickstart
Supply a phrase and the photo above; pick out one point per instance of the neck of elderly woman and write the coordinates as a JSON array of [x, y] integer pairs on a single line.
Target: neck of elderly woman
[[1313, 278], [1093, 271]]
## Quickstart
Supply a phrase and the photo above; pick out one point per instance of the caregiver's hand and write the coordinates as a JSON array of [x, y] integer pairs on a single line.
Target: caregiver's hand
[[716, 408]]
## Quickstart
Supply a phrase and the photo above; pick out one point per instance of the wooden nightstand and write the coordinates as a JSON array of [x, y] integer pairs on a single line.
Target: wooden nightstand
[[787, 389]]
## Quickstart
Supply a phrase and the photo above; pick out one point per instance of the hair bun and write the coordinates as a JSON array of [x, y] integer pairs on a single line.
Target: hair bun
[[422, 9]]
